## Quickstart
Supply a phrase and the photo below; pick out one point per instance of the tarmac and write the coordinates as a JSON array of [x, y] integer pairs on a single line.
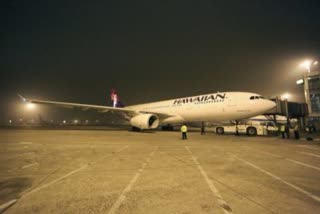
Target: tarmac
[[119, 171]]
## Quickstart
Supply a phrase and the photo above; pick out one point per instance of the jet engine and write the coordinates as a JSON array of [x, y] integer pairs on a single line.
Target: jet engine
[[145, 121]]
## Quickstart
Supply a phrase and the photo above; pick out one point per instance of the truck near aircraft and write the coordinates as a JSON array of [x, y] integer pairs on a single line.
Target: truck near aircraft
[[250, 128]]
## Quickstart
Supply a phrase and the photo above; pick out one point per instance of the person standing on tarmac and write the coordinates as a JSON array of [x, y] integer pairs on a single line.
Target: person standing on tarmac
[[282, 130], [296, 132], [287, 131], [203, 129], [184, 130]]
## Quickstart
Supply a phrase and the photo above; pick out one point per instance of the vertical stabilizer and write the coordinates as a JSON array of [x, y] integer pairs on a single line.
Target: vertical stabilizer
[[115, 99]]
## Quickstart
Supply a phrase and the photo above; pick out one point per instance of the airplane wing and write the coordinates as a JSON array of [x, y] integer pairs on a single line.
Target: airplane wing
[[103, 109]]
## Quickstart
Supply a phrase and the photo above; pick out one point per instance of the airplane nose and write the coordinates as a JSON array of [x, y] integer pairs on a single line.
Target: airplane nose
[[270, 104]]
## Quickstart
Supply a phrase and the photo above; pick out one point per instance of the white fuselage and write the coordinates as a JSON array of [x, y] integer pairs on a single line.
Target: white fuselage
[[209, 107]]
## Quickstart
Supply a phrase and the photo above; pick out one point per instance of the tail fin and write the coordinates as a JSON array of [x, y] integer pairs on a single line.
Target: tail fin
[[115, 99]]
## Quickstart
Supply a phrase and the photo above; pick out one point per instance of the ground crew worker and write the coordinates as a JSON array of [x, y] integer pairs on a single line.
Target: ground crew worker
[[288, 131], [203, 129], [296, 132], [184, 130], [237, 128], [282, 130]]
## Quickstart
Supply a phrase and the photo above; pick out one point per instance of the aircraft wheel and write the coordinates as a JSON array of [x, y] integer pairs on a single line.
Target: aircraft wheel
[[220, 130], [251, 131]]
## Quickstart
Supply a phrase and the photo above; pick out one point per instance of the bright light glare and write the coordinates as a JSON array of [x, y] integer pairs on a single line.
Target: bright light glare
[[299, 82], [315, 62], [30, 106], [306, 64], [285, 96]]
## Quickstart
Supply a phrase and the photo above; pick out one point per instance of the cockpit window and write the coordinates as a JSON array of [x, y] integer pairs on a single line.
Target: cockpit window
[[256, 97]]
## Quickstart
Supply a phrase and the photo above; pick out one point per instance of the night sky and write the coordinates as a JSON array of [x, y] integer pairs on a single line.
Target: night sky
[[151, 50]]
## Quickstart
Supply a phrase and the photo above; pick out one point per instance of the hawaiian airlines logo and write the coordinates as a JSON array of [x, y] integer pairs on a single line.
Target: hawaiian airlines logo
[[114, 97], [115, 100], [201, 99]]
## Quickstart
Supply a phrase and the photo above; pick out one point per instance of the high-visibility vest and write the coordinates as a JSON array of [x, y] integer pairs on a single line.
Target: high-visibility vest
[[184, 128], [282, 128]]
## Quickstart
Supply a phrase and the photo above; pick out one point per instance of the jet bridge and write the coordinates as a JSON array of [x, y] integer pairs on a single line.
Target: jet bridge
[[290, 110]]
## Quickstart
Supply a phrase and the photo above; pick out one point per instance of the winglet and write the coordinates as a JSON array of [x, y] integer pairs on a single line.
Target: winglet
[[23, 99]]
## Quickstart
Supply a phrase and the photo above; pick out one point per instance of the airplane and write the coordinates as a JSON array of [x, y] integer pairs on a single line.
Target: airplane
[[213, 107]]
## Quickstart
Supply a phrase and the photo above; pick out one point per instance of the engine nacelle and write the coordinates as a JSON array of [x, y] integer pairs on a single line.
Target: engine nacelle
[[145, 121]]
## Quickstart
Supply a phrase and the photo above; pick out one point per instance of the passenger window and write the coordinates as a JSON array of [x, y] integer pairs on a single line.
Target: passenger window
[[252, 98], [256, 97]]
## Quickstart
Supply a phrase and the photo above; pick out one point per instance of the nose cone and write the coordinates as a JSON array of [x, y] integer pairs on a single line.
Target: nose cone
[[269, 105]]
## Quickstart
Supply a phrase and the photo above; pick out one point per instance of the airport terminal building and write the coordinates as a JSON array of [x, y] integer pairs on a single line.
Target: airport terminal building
[[311, 87], [313, 79], [309, 112]]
